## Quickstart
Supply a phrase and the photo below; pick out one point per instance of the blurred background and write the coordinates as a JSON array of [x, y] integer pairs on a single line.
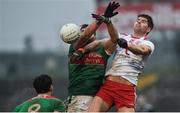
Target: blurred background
[[30, 45]]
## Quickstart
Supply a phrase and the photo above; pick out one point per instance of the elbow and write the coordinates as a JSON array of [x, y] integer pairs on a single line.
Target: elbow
[[146, 52], [114, 40]]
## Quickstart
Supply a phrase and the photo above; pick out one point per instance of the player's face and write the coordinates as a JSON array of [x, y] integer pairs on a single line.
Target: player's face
[[141, 25]]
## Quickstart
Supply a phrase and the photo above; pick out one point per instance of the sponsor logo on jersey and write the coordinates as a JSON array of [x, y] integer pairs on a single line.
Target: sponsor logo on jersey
[[91, 58]]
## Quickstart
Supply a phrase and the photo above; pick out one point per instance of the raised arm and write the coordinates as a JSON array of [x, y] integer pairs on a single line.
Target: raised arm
[[109, 44], [85, 36]]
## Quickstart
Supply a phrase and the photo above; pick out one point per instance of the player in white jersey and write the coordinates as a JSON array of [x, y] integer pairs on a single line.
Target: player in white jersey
[[130, 64], [121, 79]]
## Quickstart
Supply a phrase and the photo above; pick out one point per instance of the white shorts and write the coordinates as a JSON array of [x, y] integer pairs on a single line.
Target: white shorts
[[78, 103]]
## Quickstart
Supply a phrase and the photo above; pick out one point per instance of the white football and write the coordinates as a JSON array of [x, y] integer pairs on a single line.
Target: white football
[[69, 33]]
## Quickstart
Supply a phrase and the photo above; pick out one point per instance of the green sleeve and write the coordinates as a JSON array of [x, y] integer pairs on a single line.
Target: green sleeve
[[59, 106]]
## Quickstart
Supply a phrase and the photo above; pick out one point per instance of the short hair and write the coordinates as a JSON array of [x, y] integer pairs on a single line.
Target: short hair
[[149, 19], [83, 26], [42, 83]]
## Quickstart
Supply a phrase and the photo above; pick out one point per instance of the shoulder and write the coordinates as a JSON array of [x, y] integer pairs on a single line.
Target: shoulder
[[58, 104], [52, 97], [121, 35], [18, 107]]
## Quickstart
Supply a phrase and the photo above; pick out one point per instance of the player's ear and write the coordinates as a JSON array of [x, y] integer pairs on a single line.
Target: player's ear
[[35, 90], [148, 29], [51, 88]]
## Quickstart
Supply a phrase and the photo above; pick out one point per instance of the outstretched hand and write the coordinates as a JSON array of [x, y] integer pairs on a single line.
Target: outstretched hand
[[109, 12]]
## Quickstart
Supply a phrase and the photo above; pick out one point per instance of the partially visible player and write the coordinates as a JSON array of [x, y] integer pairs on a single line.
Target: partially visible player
[[121, 79], [87, 65], [44, 101]]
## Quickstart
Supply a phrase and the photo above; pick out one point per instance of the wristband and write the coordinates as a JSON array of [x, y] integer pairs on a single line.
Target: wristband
[[82, 50], [106, 19]]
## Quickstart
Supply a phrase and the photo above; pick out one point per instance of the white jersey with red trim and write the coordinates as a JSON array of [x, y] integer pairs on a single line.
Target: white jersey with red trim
[[127, 64]]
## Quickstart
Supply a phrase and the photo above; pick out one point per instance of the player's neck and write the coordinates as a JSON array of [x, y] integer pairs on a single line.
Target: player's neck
[[45, 94], [137, 36]]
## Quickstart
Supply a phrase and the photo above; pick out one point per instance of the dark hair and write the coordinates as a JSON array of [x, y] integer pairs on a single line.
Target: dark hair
[[149, 19], [83, 26], [42, 83]]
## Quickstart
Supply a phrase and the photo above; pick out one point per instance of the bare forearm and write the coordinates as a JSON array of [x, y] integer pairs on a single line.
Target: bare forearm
[[85, 37], [139, 50], [91, 29], [112, 32], [92, 46]]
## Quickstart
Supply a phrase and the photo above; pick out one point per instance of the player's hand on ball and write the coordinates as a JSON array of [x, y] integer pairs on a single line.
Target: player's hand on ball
[[122, 43], [109, 12]]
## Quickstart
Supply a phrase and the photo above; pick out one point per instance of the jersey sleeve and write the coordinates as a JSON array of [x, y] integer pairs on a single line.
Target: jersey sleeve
[[59, 106]]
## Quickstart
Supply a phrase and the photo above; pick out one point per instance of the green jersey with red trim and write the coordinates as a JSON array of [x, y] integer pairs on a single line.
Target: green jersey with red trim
[[86, 74], [41, 103]]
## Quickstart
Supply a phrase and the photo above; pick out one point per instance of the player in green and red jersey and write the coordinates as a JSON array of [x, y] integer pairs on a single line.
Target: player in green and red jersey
[[44, 101], [87, 64]]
